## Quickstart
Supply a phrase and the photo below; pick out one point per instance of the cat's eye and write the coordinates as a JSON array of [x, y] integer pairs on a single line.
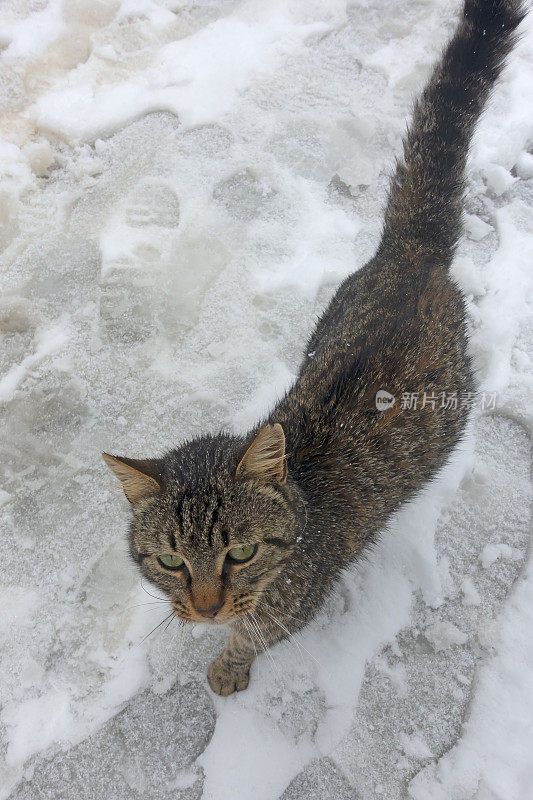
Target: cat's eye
[[242, 554], [171, 561]]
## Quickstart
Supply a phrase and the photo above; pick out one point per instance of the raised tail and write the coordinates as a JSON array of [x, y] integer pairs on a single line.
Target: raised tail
[[423, 214]]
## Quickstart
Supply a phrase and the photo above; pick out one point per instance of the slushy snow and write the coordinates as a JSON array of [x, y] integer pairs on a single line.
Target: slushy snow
[[183, 185]]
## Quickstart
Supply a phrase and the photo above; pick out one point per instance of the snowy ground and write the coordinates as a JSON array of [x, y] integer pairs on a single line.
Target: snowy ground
[[184, 183]]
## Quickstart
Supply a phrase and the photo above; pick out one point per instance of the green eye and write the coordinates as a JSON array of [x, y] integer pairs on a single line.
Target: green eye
[[171, 562], [241, 554]]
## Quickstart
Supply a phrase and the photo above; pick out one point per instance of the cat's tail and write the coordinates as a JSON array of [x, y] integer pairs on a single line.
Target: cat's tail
[[423, 215]]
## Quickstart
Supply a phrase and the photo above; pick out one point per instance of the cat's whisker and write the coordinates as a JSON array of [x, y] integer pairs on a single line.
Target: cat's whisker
[[250, 635], [257, 630], [287, 631], [156, 627], [291, 639], [292, 616], [150, 603], [265, 646], [181, 613], [152, 595], [291, 636], [273, 608], [170, 623]]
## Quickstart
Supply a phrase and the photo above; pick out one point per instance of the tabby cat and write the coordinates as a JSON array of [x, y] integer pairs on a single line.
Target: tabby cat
[[256, 529]]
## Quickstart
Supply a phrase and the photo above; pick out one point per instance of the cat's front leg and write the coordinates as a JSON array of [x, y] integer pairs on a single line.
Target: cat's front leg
[[230, 672]]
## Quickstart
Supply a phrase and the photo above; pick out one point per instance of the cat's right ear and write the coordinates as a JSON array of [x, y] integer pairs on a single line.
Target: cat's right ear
[[140, 478], [265, 457]]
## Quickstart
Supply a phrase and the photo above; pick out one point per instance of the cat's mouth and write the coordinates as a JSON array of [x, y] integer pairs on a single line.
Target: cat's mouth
[[216, 616]]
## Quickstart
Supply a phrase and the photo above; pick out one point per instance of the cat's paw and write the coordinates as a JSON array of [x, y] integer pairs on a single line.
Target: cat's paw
[[223, 681]]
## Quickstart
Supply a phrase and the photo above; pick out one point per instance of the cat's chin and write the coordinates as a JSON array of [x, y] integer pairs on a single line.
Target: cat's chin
[[213, 623], [224, 620], [220, 620]]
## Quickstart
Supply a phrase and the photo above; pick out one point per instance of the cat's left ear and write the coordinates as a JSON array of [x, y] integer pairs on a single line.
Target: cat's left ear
[[265, 458], [140, 478]]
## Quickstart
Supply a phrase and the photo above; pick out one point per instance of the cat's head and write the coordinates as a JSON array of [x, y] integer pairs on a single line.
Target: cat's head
[[213, 521]]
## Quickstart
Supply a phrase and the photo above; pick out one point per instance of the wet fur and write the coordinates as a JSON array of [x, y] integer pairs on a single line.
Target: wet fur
[[397, 324]]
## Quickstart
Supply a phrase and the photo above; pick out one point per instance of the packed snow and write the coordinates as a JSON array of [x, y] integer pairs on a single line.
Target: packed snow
[[183, 185]]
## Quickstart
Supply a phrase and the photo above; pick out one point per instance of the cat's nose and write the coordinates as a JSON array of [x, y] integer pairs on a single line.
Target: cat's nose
[[206, 599], [209, 612]]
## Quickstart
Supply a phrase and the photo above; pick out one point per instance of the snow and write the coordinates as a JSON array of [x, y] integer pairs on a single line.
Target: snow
[[492, 552], [470, 593], [476, 228], [444, 634], [182, 187]]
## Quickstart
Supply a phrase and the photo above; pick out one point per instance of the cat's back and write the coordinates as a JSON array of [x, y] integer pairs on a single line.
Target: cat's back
[[382, 335], [385, 329]]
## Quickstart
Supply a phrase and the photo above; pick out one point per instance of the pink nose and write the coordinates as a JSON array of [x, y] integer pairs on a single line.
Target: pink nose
[[209, 612]]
